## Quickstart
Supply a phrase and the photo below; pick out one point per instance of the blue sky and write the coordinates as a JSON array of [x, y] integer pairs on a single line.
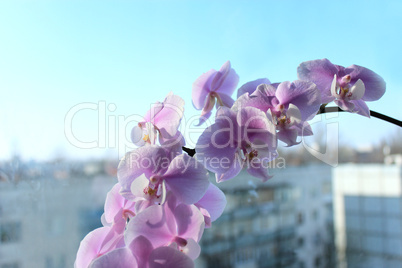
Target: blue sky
[[55, 55]]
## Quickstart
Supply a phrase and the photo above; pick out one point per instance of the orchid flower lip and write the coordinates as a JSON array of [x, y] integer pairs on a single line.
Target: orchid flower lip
[[181, 242]]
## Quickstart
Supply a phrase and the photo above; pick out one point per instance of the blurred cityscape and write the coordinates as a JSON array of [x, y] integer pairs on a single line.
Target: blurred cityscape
[[308, 215]]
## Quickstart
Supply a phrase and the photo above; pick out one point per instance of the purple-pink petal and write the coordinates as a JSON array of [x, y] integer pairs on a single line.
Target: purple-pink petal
[[214, 201], [373, 83], [201, 88], [305, 95], [146, 160], [228, 172], [141, 249], [95, 244], [168, 119], [251, 86], [190, 222], [258, 169], [216, 146], [256, 126], [150, 223], [121, 257], [187, 179], [226, 100], [168, 257], [320, 72], [225, 80], [361, 108], [288, 136], [155, 109]]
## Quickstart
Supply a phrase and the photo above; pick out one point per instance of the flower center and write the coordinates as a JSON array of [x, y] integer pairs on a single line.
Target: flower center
[[128, 214], [181, 242], [146, 138], [217, 97]]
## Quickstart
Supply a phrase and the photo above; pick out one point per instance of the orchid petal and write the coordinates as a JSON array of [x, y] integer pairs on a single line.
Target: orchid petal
[[255, 125], [305, 95], [121, 257], [345, 105], [335, 87], [155, 109], [214, 201], [96, 243], [321, 73], [138, 186], [137, 136], [226, 100], [357, 90], [141, 248], [293, 113], [190, 222], [201, 88], [113, 203], [218, 142], [148, 160], [257, 169], [251, 86], [304, 129], [187, 179], [225, 80], [258, 100], [361, 108], [229, 172], [374, 84], [209, 104], [288, 136], [203, 118], [150, 223], [192, 249], [168, 257], [168, 119]]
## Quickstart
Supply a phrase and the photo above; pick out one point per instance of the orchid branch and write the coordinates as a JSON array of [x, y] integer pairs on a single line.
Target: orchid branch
[[189, 151], [394, 121]]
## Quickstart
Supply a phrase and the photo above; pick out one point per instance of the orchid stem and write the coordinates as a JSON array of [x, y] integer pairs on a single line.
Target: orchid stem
[[190, 152], [324, 110]]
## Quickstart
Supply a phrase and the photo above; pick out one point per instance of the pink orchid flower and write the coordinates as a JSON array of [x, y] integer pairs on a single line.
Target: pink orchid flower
[[183, 175], [214, 87], [349, 87], [163, 118], [97, 243], [117, 209], [172, 224], [237, 139], [289, 105]]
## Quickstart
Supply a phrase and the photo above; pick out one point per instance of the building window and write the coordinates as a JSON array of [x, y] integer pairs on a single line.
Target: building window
[[317, 261], [300, 242], [300, 218], [10, 232], [315, 215]]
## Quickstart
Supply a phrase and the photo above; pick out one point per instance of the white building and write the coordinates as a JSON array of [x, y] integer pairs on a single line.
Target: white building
[[284, 222], [42, 221], [368, 216]]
